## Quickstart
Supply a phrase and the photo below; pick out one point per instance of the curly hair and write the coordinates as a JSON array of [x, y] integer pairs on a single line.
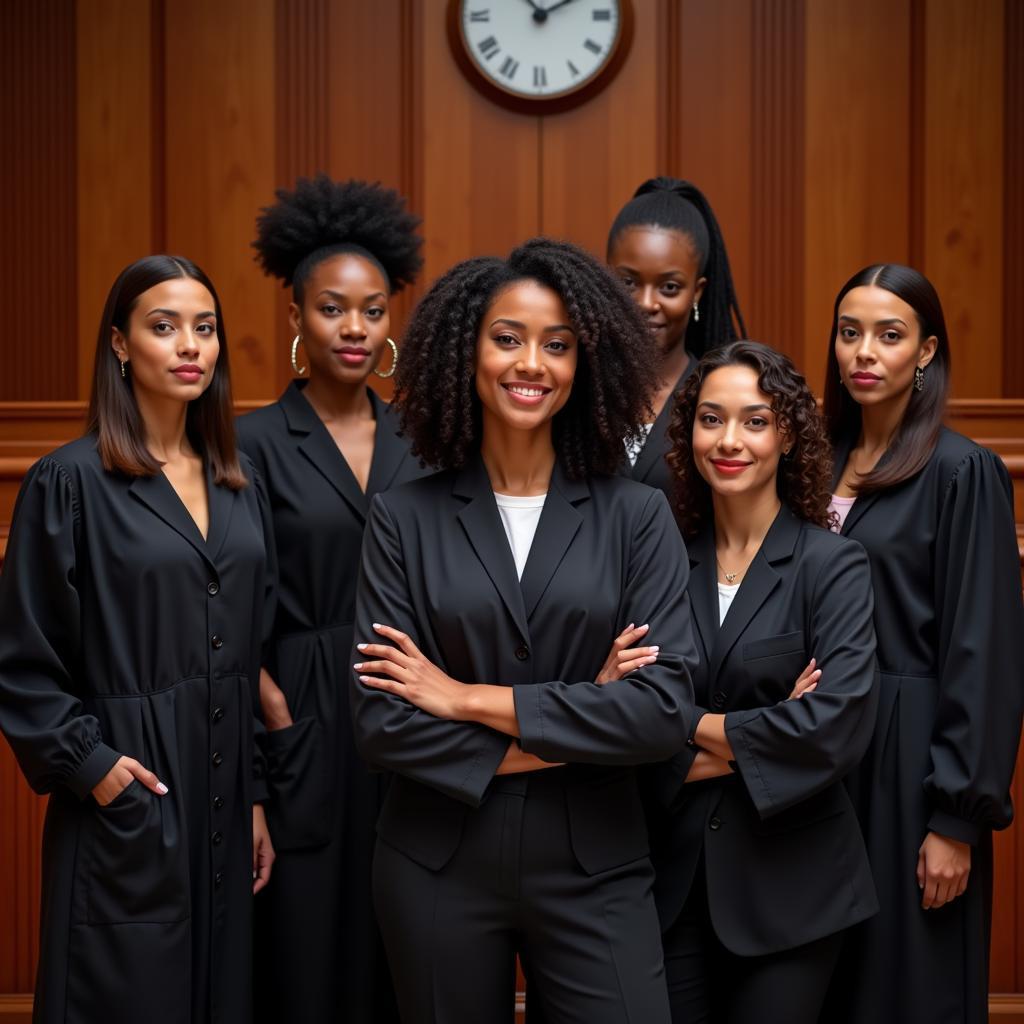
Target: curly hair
[[435, 390], [805, 475], [680, 206], [322, 218]]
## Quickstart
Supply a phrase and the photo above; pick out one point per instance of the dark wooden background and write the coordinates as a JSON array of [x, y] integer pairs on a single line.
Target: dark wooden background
[[827, 133]]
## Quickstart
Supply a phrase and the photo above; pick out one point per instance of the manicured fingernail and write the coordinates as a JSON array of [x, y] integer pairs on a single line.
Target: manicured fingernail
[[654, 650], [358, 665], [361, 647], [646, 626], [161, 789], [376, 625], [364, 679]]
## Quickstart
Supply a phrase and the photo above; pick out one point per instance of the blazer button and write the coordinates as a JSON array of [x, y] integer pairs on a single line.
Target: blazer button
[[216, 839], [218, 713], [213, 588], [715, 824], [522, 652], [218, 879], [217, 759], [718, 700], [218, 802], [216, 642]]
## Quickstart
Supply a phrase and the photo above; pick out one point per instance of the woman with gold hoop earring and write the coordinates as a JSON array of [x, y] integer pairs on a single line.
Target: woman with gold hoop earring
[[324, 449]]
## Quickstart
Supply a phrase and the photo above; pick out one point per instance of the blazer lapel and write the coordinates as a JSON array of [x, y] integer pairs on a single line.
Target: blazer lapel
[[157, 494], [480, 519], [758, 584], [319, 448], [703, 588], [863, 502], [222, 505], [559, 523], [656, 445], [388, 447]]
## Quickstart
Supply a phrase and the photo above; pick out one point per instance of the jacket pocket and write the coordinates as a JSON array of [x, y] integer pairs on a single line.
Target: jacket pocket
[[773, 646], [300, 778], [134, 860], [826, 804], [606, 822], [422, 823]]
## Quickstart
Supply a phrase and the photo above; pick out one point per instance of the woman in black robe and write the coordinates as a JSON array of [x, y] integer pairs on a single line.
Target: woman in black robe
[[665, 245], [935, 513], [323, 450], [132, 605]]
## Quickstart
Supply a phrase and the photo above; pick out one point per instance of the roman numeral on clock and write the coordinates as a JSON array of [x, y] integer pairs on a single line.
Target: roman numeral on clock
[[485, 15], [592, 46], [509, 68], [603, 14], [540, 76], [573, 70], [488, 47]]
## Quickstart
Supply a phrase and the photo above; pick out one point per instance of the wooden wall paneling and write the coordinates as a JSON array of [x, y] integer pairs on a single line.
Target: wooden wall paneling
[[962, 183], [712, 130], [220, 167], [857, 166], [777, 174], [479, 166], [593, 157], [38, 288], [1013, 200], [114, 90]]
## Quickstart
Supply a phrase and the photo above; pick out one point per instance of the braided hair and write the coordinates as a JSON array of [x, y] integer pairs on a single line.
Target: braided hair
[[675, 205], [435, 386], [323, 218]]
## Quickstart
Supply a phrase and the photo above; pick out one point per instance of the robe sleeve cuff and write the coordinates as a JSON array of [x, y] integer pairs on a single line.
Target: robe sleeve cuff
[[530, 718], [91, 770], [745, 760], [482, 771], [952, 827]]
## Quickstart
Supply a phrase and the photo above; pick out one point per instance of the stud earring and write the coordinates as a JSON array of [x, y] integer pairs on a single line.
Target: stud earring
[[918, 378], [299, 370], [696, 313], [394, 361]]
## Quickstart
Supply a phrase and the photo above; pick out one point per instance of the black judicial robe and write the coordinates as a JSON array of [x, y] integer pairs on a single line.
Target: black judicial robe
[[785, 863], [949, 623], [437, 565], [650, 467], [123, 632], [316, 946]]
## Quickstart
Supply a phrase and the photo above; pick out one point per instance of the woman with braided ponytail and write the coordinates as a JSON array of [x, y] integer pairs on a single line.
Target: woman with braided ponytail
[[488, 597], [324, 449], [666, 247]]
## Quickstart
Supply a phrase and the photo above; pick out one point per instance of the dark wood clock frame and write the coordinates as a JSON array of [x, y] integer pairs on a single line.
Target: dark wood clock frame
[[539, 105]]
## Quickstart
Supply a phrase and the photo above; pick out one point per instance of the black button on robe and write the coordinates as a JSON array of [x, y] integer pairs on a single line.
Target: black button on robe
[[949, 623], [315, 934], [106, 617]]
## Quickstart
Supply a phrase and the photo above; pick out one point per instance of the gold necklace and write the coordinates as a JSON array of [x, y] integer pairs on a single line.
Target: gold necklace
[[730, 577]]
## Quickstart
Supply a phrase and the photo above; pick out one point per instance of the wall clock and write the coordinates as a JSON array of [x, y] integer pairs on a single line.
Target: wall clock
[[540, 56]]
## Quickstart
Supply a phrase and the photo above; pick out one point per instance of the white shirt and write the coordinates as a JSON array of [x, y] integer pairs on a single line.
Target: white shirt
[[841, 506], [726, 592], [520, 517], [635, 446]]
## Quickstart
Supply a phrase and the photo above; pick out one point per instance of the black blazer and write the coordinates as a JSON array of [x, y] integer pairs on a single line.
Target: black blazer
[[437, 564], [784, 856]]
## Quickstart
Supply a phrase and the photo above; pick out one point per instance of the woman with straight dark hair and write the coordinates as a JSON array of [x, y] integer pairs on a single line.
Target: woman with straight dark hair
[[488, 597], [665, 245], [323, 449], [132, 605], [935, 513]]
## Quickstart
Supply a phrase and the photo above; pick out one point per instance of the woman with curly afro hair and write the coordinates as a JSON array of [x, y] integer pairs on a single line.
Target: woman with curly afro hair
[[489, 596], [324, 448], [759, 858]]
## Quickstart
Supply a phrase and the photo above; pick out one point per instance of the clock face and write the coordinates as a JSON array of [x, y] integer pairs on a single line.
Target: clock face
[[540, 49]]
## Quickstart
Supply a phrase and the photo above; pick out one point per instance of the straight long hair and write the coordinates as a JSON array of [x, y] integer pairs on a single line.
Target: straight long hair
[[919, 429], [113, 411]]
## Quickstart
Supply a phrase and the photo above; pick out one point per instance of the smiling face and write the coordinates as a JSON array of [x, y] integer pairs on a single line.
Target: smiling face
[[343, 320], [170, 344], [878, 345], [736, 440], [661, 269], [526, 357]]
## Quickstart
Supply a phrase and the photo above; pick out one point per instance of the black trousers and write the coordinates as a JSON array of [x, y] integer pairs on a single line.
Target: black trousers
[[590, 943], [709, 985]]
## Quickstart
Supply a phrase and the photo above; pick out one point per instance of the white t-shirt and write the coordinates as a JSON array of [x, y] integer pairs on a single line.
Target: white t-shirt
[[520, 517], [726, 592], [634, 446]]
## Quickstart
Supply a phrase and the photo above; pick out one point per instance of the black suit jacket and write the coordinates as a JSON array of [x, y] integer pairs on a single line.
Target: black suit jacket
[[437, 564], [785, 860]]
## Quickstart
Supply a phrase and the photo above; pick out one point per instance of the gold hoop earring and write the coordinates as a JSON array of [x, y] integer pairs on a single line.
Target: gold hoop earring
[[123, 374], [394, 361], [299, 370], [918, 379], [696, 313]]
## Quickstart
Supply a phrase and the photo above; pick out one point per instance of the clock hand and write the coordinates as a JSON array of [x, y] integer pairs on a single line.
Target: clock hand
[[554, 7]]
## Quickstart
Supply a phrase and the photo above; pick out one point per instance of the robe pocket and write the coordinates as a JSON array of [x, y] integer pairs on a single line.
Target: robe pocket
[[300, 785], [607, 825], [135, 861], [773, 646], [815, 809]]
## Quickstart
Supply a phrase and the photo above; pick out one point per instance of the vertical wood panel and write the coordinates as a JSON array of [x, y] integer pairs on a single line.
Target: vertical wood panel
[[38, 287], [857, 166], [1013, 216], [963, 227], [777, 174], [115, 202], [610, 143], [220, 165]]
